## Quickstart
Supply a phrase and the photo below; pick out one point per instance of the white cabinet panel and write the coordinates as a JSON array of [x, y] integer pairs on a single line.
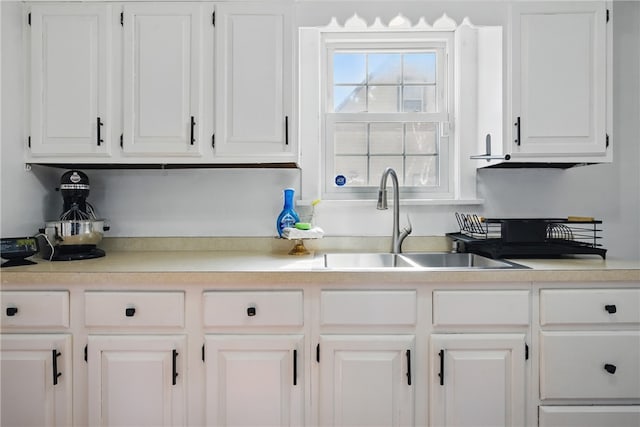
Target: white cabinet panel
[[590, 365], [70, 80], [162, 78], [365, 380], [134, 309], [36, 380], [477, 380], [481, 308], [136, 380], [254, 380], [589, 416], [28, 309], [559, 78], [254, 81], [253, 308], [368, 307], [589, 306]]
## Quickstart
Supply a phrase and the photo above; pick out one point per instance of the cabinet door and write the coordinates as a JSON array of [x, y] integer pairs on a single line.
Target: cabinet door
[[255, 380], [136, 380], [477, 380], [559, 78], [254, 81], [70, 79], [36, 380], [162, 78], [365, 380]]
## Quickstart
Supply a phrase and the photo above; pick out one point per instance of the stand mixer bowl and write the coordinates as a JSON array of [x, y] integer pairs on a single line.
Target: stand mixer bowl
[[75, 232]]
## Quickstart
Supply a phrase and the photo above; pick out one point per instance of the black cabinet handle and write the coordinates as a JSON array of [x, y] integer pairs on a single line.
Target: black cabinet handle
[[193, 124], [517, 125], [55, 354], [441, 374], [286, 130], [130, 311], [175, 366], [610, 368], [98, 125], [408, 367], [251, 311], [611, 308], [12, 311], [295, 367]]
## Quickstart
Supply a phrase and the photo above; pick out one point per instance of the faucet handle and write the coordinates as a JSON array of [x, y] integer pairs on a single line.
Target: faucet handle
[[408, 229]]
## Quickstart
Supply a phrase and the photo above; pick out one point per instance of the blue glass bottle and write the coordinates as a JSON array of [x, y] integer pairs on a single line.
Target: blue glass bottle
[[288, 217]]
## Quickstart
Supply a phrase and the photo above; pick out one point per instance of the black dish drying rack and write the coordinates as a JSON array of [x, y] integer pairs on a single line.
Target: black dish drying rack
[[529, 237]]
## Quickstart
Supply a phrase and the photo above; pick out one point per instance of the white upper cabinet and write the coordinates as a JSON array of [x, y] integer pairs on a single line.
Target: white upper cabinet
[[70, 80], [559, 82], [254, 50], [162, 79]]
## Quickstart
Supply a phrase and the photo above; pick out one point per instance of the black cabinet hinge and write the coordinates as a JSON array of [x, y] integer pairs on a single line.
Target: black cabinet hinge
[[29, 18], [29, 141], [203, 352], [213, 19], [86, 348], [318, 353], [607, 15], [121, 140], [213, 141], [607, 141], [122, 19], [526, 351]]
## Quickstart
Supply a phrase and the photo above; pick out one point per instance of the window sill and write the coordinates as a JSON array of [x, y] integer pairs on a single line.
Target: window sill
[[406, 202]]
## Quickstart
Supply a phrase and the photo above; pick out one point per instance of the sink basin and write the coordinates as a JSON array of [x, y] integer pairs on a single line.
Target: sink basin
[[423, 260]]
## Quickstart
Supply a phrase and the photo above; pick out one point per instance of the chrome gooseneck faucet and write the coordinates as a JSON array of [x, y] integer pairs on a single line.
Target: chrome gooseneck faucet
[[397, 236]]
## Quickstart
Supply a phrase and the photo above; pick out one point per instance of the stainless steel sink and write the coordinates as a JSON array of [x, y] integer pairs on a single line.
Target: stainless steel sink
[[422, 260]]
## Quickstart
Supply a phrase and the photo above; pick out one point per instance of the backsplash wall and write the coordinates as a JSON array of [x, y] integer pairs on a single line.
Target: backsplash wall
[[246, 202]]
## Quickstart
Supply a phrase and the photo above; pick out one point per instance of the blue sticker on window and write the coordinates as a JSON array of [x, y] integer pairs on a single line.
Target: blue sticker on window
[[340, 180]]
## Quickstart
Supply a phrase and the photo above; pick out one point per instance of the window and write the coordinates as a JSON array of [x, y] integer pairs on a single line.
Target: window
[[386, 105]]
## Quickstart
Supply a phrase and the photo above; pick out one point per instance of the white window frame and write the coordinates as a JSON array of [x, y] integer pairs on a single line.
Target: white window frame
[[439, 41]]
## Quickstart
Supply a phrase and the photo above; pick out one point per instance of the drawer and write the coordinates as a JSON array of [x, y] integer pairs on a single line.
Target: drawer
[[134, 309], [253, 308], [386, 308], [589, 416], [470, 308], [42, 309], [589, 306], [590, 365]]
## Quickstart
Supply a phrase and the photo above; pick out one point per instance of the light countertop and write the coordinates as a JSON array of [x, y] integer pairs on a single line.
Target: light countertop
[[243, 266]]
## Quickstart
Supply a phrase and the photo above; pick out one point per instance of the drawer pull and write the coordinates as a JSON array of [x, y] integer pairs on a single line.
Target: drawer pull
[[54, 358], [12, 311], [251, 311], [130, 311], [174, 367], [611, 308], [610, 368]]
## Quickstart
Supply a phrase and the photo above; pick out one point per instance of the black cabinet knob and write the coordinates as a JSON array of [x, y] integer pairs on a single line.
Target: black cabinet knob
[[130, 311], [12, 311], [610, 368], [610, 308], [251, 311]]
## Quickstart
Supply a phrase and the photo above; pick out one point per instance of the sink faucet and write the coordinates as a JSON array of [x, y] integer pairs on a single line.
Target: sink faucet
[[397, 236]]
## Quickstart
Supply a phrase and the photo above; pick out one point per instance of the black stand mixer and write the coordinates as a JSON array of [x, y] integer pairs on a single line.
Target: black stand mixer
[[75, 235]]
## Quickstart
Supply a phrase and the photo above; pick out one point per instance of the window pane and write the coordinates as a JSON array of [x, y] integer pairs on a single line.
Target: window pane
[[350, 138], [378, 164], [419, 99], [421, 171], [384, 68], [349, 99], [421, 138], [354, 168], [385, 138], [419, 68], [349, 68], [384, 99]]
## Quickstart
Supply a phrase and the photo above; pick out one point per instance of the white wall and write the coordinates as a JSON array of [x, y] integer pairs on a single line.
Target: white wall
[[219, 202]]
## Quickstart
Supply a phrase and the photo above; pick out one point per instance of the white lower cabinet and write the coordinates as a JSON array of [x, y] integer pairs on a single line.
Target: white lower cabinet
[[366, 380], [36, 380], [254, 380], [477, 380], [137, 380], [589, 416]]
